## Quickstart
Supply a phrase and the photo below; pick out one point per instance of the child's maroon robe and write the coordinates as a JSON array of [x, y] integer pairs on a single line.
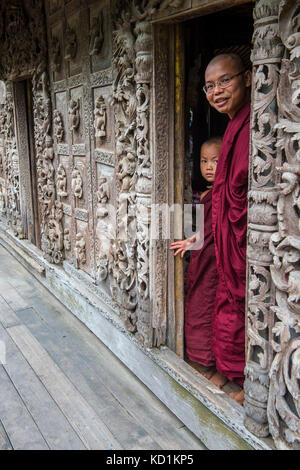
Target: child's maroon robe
[[201, 283], [229, 221]]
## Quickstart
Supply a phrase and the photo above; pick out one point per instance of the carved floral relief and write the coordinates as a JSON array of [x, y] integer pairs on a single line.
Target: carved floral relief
[[10, 194], [272, 371], [284, 396]]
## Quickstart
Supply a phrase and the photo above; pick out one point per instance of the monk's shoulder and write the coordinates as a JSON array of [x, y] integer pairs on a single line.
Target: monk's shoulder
[[240, 160]]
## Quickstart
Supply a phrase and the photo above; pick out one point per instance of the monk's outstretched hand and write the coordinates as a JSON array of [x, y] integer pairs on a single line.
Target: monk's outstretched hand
[[183, 245]]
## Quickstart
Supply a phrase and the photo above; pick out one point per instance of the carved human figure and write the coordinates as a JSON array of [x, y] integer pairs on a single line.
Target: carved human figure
[[54, 233], [67, 240], [96, 35], [56, 52], [103, 190], [58, 126], [61, 182], [102, 267], [49, 150], [71, 43], [100, 117], [126, 170], [74, 116], [80, 249], [77, 183]]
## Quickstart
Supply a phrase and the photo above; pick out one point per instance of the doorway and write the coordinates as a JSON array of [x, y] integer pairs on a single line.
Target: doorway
[[27, 161], [202, 38]]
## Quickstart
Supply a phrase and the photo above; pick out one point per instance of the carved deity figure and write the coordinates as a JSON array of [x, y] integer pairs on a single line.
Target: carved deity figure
[[49, 150], [77, 183], [67, 240], [56, 53], [80, 249], [71, 43], [74, 117], [126, 170], [96, 35], [100, 118], [61, 182], [103, 190], [58, 126], [55, 233]]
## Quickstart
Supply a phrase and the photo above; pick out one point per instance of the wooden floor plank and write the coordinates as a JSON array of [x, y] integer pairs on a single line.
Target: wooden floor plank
[[72, 355], [11, 296], [92, 431], [5, 443], [7, 314], [21, 429], [82, 376], [163, 427], [51, 422]]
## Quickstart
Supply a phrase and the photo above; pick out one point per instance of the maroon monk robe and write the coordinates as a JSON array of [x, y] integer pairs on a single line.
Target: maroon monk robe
[[229, 222], [201, 283]]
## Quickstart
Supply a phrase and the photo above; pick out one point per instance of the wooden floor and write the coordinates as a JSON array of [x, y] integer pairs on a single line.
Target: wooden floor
[[61, 388]]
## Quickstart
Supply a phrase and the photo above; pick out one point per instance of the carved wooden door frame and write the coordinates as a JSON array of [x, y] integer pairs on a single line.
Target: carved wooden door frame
[[168, 141], [27, 169]]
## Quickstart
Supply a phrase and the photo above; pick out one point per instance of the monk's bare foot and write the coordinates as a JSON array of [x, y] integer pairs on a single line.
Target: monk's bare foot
[[206, 371], [219, 379], [238, 396]]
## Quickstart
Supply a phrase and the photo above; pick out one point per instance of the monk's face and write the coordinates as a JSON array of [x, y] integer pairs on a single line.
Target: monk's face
[[208, 161], [231, 99]]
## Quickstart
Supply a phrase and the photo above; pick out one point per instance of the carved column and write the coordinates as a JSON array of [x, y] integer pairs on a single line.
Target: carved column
[[143, 64], [284, 393], [262, 223], [122, 264], [130, 264], [50, 209]]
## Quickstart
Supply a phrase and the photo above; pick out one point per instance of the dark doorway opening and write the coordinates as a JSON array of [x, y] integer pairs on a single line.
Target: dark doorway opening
[[27, 159], [226, 31]]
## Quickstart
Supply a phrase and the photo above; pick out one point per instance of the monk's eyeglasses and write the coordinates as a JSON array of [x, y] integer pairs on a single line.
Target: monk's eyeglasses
[[223, 82]]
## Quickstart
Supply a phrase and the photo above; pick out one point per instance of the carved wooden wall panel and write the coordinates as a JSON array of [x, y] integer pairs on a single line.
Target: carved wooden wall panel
[[266, 57], [79, 60], [10, 175], [272, 384], [284, 395], [100, 37]]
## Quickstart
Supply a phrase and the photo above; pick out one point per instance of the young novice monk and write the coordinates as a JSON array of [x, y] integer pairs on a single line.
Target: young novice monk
[[201, 279]]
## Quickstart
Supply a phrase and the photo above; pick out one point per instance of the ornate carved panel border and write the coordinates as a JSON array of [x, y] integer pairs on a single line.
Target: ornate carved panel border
[[272, 384]]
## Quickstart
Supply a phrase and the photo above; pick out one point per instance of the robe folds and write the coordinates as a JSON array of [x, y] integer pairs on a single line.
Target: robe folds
[[229, 224], [201, 284]]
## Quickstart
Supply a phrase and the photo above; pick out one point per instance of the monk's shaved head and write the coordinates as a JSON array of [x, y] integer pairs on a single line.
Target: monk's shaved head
[[229, 83], [235, 59]]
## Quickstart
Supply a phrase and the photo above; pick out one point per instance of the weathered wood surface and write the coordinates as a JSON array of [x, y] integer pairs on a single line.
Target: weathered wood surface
[[64, 389]]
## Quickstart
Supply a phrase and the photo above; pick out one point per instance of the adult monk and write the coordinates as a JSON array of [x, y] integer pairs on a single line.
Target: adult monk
[[227, 88]]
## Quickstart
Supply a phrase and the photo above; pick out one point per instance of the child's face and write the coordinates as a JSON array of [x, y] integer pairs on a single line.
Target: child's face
[[208, 161]]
